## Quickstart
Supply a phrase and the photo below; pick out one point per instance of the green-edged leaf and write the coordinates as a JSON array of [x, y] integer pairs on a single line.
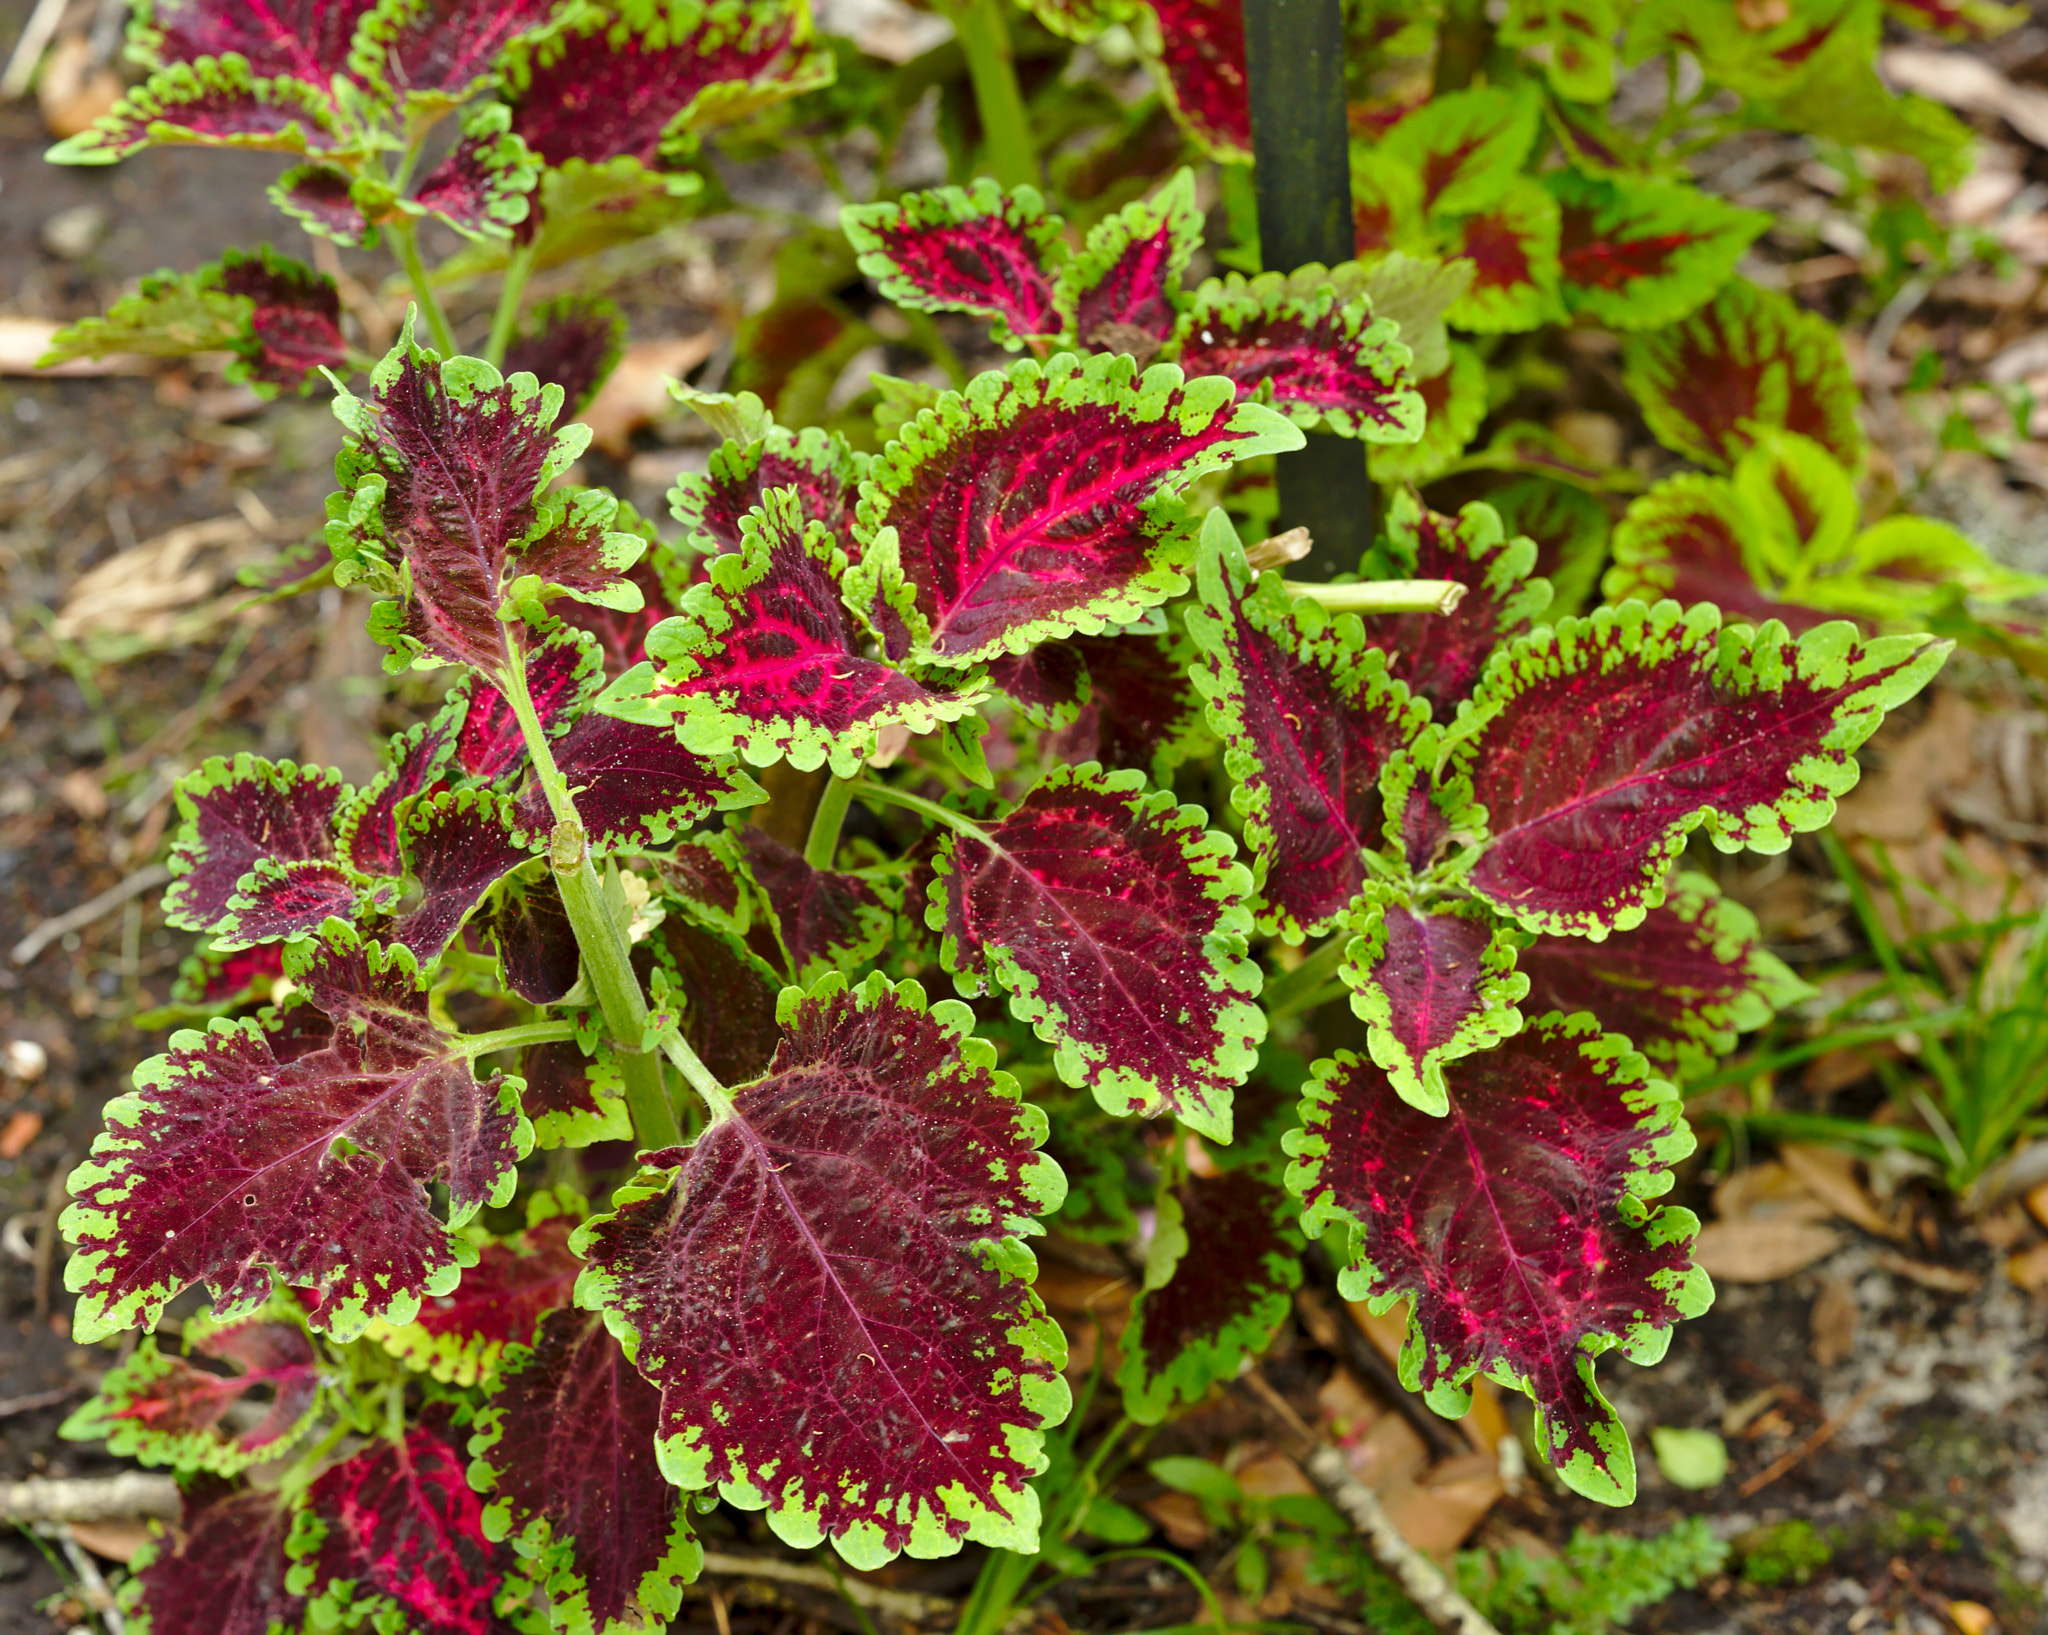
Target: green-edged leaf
[[1431, 985], [574, 1099], [564, 1451], [824, 919], [1118, 925], [1293, 341], [1467, 146], [1638, 254], [1043, 500], [832, 1289], [1596, 747], [982, 250], [458, 1337], [1570, 528], [241, 813], [1680, 986], [713, 505], [1225, 1258], [767, 660], [1308, 716], [1747, 361], [1123, 289], [1517, 1223], [306, 1154], [163, 1410], [1574, 40], [1512, 245], [214, 102]]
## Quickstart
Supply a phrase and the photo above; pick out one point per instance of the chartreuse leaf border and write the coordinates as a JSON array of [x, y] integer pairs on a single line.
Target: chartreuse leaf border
[[1883, 672], [1643, 1342], [792, 1513], [1499, 990], [877, 584], [1230, 975]]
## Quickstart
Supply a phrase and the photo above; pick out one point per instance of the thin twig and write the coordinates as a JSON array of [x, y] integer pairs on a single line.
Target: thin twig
[[1807, 1449], [28, 50], [92, 1583], [130, 1496], [77, 919], [40, 1399], [904, 1604], [1435, 1597]]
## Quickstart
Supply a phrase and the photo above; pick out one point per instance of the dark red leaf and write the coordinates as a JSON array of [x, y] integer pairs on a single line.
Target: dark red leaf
[[481, 187], [1681, 985], [828, 1291], [278, 900], [216, 102], [977, 249], [452, 466], [1595, 748], [1685, 540], [1044, 500], [635, 785], [565, 1453], [458, 845], [397, 1531], [1201, 62], [561, 674], [368, 827], [1432, 984], [236, 814], [1127, 278], [1049, 684], [444, 49], [635, 85], [1748, 360], [306, 39], [824, 919], [574, 1099], [221, 1568], [1308, 717], [768, 661], [575, 343], [536, 944], [321, 198], [230, 1163], [1517, 1223], [296, 321], [499, 1302], [728, 994], [1142, 711], [818, 464], [1118, 926], [1225, 1258]]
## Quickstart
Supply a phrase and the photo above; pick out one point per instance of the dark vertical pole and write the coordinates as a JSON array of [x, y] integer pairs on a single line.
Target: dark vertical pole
[[1294, 54]]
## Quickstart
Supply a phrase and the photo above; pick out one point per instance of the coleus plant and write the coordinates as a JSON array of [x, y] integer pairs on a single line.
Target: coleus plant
[[813, 1296], [1004, 668]]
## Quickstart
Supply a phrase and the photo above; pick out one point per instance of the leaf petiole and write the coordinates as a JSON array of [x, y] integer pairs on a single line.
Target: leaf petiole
[[406, 235], [517, 269], [701, 1078], [1384, 595], [529, 1033], [822, 845]]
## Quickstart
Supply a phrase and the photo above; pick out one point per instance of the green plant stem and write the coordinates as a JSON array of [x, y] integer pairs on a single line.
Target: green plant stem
[[938, 814], [506, 317], [406, 236], [1462, 43], [821, 848], [701, 1078], [528, 1033], [607, 957], [985, 37], [1297, 989], [1384, 595]]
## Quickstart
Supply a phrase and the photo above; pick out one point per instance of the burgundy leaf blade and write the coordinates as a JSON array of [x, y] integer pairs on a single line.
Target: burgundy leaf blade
[[459, 1335], [1224, 1261], [220, 1570], [214, 102], [1431, 985], [458, 845], [275, 901], [1597, 747], [1308, 718], [565, 1453], [236, 814], [825, 919], [842, 1405], [1680, 986], [1201, 69], [818, 464], [980, 250], [1517, 1223], [767, 660], [1125, 283], [234, 1162], [635, 785], [1042, 501], [367, 830], [1118, 926], [294, 320], [574, 343]]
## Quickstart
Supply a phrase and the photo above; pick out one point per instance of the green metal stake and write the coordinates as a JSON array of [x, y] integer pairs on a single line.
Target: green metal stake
[[1294, 52]]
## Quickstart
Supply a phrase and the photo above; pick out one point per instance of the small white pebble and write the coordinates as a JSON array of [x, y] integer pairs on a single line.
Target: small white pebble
[[24, 1059]]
